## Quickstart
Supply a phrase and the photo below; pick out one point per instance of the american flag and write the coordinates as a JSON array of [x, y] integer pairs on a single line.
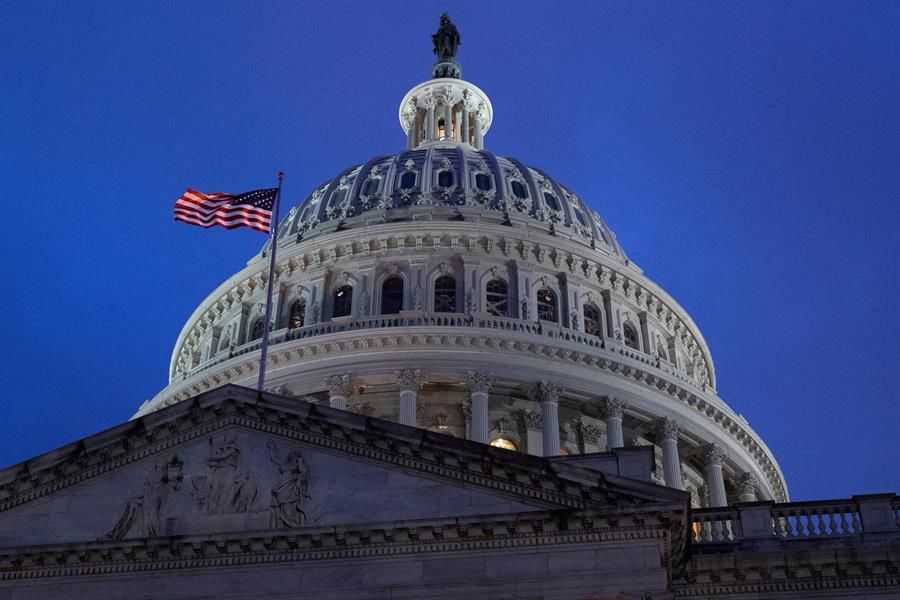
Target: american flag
[[250, 209]]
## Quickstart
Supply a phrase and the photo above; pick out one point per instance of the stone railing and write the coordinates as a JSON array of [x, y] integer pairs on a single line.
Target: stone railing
[[876, 513], [460, 320]]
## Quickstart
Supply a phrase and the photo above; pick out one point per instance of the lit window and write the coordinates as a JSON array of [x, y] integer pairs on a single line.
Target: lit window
[[497, 297], [440, 129], [392, 296], [445, 179], [546, 301], [592, 324], [504, 443], [483, 182], [343, 301], [408, 180], [298, 314], [631, 339], [445, 294], [518, 189], [566, 451]]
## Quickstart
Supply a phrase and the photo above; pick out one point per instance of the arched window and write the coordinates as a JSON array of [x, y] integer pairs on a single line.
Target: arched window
[[497, 298], [224, 343], [298, 314], [505, 443], [392, 296], [343, 301], [631, 338], [546, 301], [445, 179], [408, 180], [592, 323], [661, 348], [483, 181], [256, 330], [518, 189], [337, 198], [441, 130], [579, 216], [445, 294]]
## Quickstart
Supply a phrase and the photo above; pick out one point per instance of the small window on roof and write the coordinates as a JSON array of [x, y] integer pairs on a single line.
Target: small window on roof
[[518, 188], [551, 201], [580, 217], [371, 187], [445, 179], [408, 180], [483, 182], [337, 198]]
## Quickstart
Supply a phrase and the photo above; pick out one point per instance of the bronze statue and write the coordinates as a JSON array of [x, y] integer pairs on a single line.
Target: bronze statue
[[446, 40]]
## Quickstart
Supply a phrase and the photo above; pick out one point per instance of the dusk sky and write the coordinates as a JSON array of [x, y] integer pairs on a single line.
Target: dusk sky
[[747, 155]]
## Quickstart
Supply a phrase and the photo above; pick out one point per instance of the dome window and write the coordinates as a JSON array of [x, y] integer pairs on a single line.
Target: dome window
[[551, 201], [337, 198], [408, 180], [592, 323], [445, 294], [445, 179], [661, 349], [505, 443], [497, 298], [483, 182], [547, 306], [631, 337], [579, 216], [371, 187], [298, 314], [343, 302], [392, 296], [441, 129], [518, 189]]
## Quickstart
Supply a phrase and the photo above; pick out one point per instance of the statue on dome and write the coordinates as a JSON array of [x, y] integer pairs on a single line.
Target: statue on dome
[[446, 40]]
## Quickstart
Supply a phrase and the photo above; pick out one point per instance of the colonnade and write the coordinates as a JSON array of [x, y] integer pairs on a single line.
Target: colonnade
[[545, 424]]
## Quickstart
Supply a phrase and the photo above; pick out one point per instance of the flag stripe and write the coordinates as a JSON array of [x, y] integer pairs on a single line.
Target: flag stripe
[[251, 209]]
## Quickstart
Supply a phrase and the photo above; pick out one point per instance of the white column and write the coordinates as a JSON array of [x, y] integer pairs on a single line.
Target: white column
[[533, 436], [712, 456], [614, 410], [477, 126], [667, 431], [464, 133], [429, 119], [457, 119], [547, 393], [448, 119], [409, 381], [480, 385], [747, 486], [340, 387]]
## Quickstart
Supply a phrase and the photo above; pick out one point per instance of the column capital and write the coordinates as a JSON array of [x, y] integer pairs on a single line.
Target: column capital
[[466, 408], [747, 484], [590, 433], [547, 391], [614, 407], [479, 381], [667, 428], [409, 380], [340, 385], [532, 418], [712, 455]]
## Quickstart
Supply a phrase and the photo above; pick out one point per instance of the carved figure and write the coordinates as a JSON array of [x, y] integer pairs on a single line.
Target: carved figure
[[144, 513], [225, 488], [291, 491], [446, 41]]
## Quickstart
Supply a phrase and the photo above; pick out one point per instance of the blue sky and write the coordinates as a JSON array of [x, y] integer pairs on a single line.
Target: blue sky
[[745, 153]]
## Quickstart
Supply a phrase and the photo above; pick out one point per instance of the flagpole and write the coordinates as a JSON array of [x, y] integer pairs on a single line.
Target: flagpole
[[264, 345]]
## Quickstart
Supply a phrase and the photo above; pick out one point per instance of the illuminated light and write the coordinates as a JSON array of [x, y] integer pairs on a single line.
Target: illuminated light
[[504, 443]]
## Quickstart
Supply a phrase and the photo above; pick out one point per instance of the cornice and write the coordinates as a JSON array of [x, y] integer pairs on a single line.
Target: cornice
[[524, 477], [360, 541]]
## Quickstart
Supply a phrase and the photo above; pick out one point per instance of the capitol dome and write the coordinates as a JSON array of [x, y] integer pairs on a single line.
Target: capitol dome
[[454, 290]]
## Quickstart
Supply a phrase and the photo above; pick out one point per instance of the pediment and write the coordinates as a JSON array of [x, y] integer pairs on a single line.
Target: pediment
[[232, 460]]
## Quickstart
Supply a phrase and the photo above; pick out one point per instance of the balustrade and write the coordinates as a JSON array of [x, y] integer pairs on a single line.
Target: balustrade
[[796, 520]]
